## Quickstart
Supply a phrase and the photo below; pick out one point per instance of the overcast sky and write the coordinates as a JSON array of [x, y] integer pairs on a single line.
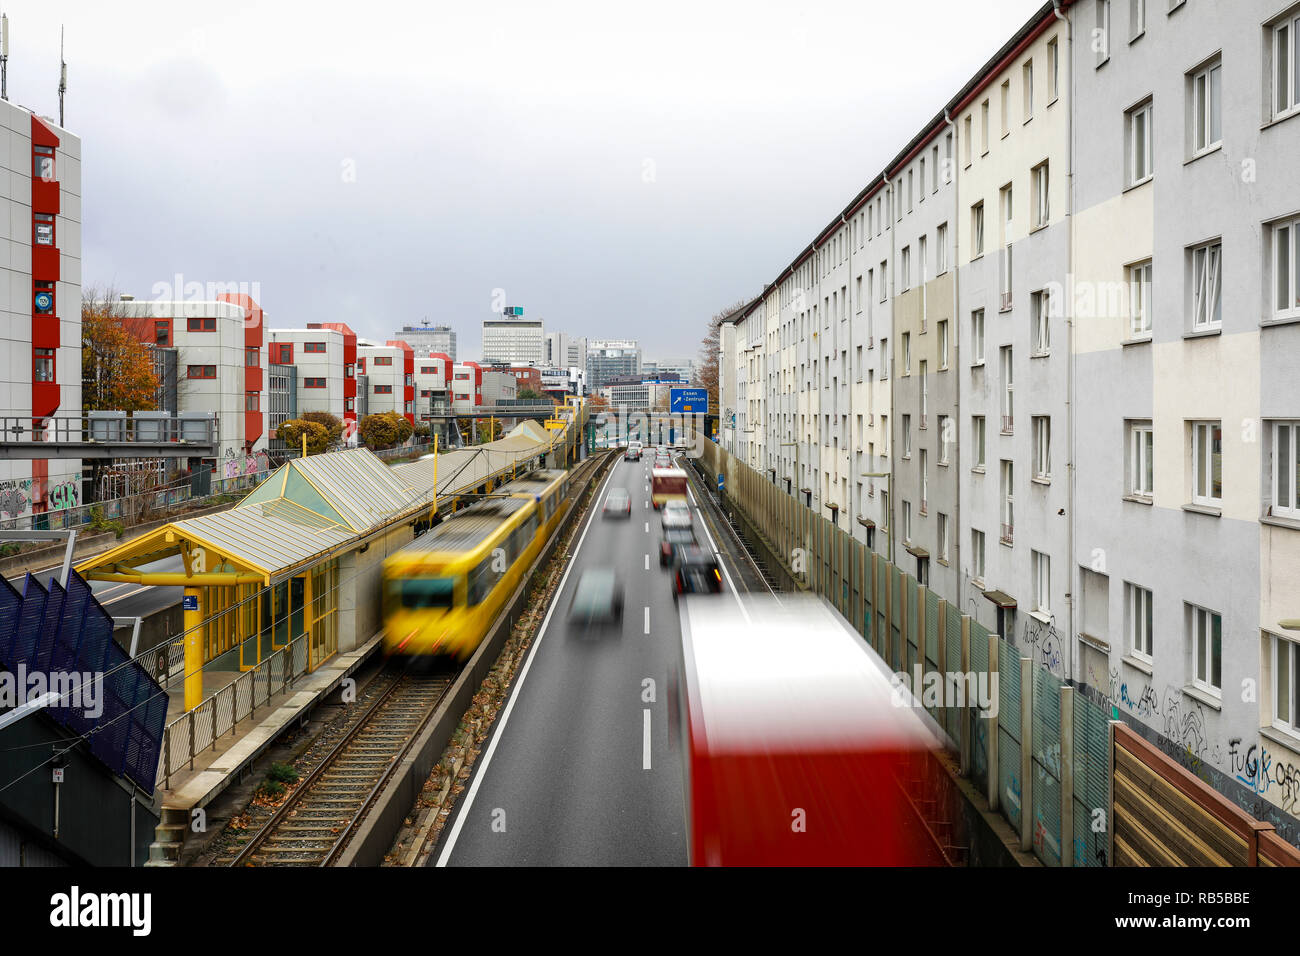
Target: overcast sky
[[618, 169]]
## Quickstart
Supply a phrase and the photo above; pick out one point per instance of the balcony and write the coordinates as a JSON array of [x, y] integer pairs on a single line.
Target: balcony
[[1008, 424], [1007, 534]]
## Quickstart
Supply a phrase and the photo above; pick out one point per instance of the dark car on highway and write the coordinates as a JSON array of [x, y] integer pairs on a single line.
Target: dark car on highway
[[697, 572], [674, 540], [597, 599]]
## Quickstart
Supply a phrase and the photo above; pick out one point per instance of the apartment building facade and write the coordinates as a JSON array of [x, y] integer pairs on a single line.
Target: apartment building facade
[[429, 340], [390, 371], [324, 359], [40, 336], [221, 361], [1120, 285], [608, 358]]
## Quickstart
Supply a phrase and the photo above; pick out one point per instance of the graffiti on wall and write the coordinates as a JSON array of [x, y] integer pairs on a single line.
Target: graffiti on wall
[[238, 465], [19, 496], [1044, 643]]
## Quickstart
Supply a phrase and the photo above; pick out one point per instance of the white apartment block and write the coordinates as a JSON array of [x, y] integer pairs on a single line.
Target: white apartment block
[[40, 336], [1101, 279], [220, 363], [322, 372], [391, 372]]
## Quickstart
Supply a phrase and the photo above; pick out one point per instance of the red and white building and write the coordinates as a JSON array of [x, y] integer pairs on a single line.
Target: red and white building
[[40, 337], [220, 361], [433, 376], [324, 356], [390, 369]]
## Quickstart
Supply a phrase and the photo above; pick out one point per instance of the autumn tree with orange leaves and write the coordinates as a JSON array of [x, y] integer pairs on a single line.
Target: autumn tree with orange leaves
[[116, 369]]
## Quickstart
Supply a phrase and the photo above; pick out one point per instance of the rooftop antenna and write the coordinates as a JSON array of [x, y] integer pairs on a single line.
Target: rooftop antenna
[[4, 56], [63, 77]]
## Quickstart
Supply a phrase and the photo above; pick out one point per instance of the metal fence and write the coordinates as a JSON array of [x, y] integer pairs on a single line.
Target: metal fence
[[1037, 750], [198, 730]]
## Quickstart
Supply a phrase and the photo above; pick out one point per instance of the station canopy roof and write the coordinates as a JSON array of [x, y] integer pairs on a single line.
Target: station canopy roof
[[306, 509]]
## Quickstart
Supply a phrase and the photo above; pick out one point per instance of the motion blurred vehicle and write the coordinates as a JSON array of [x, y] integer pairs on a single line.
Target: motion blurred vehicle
[[597, 599], [663, 461], [674, 538], [633, 452], [676, 514], [618, 503], [442, 591], [696, 571], [785, 714], [667, 484]]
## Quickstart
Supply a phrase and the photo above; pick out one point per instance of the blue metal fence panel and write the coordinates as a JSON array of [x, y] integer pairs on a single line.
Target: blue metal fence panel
[[1091, 782], [1046, 793], [1009, 731]]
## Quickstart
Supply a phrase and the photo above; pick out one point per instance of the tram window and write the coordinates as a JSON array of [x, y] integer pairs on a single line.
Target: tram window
[[481, 581], [427, 592]]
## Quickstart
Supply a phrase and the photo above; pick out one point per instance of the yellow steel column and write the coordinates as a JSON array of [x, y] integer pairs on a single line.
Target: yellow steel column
[[194, 630]]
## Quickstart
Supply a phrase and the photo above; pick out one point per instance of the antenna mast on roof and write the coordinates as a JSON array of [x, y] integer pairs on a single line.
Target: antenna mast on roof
[[63, 76]]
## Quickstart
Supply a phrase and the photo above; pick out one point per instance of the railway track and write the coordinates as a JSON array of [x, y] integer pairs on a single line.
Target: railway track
[[315, 823]]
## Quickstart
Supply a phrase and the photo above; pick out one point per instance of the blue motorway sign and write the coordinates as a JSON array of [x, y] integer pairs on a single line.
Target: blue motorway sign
[[694, 401]]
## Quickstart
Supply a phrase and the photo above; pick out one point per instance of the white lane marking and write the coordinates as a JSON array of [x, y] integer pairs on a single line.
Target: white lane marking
[[718, 554], [646, 503], [647, 562], [647, 618], [645, 739], [514, 696], [647, 527]]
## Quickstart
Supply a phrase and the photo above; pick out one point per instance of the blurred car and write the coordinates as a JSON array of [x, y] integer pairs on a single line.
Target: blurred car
[[618, 503], [674, 540], [633, 452], [676, 513], [697, 572], [597, 599]]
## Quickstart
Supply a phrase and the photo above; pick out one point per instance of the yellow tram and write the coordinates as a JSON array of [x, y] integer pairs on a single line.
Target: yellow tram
[[443, 590]]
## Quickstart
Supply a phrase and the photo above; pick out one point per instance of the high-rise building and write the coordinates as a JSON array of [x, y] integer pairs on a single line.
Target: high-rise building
[[429, 339], [40, 335], [514, 341], [609, 358], [564, 350]]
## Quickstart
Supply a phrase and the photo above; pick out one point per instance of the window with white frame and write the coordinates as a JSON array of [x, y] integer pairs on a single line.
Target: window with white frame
[[977, 229], [941, 249], [1053, 70], [907, 436], [944, 438], [943, 537], [923, 367], [967, 136], [977, 440], [907, 522], [977, 337], [1040, 311], [977, 555], [884, 359], [943, 343], [1286, 64], [1042, 447], [885, 513], [1284, 468], [1137, 18], [1101, 32], [1138, 620], [1139, 298], [1006, 107], [1042, 208], [1286, 269], [1008, 501], [1141, 463], [1008, 391], [1207, 463], [907, 353], [984, 125], [1138, 141], [1206, 107], [1207, 293], [925, 481], [1205, 640], [1041, 568], [1286, 684], [1027, 87]]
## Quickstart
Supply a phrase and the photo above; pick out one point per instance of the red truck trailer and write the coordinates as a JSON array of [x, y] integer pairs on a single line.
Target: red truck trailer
[[793, 737]]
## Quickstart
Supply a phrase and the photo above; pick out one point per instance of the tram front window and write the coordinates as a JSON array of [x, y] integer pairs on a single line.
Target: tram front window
[[427, 592]]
